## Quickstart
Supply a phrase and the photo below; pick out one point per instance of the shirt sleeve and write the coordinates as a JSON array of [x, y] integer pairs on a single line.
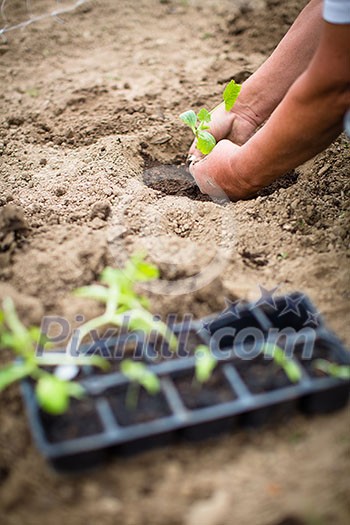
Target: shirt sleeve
[[336, 11]]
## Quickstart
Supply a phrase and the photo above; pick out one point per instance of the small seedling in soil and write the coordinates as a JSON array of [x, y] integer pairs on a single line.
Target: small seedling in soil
[[139, 376], [199, 122], [205, 364], [53, 394], [291, 368], [332, 369], [123, 305], [207, 386]]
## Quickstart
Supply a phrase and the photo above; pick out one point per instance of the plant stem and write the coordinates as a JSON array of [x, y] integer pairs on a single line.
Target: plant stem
[[132, 395], [216, 107]]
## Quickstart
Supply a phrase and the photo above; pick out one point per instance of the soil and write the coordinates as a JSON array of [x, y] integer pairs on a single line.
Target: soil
[[147, 407], [80, 420], [321, 350], [87, 106], [215, 390], [261, 375]]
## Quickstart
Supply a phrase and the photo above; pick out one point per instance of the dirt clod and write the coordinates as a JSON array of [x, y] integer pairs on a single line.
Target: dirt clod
[[101, 210]]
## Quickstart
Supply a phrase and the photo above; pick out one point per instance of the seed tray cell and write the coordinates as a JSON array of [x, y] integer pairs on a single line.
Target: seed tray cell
[[246, 388]]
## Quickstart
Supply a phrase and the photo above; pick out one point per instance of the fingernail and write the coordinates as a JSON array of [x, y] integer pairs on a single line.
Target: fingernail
[[190, 159]]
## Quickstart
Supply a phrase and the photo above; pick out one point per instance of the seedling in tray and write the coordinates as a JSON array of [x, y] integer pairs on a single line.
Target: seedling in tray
[[291, 368], [52, 393], [204, 386], [123, 305], [139, 407], [205, 364], [139, 376], [199, 122], [332, 369]]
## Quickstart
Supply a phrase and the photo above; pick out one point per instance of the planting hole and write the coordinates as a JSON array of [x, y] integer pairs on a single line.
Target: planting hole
[[171, 179]]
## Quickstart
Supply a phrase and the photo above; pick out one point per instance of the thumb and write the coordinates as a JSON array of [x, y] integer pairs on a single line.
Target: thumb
[[213, 171]]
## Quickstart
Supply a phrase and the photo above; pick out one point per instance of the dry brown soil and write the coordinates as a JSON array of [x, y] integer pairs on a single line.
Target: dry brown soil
[[86, 106]]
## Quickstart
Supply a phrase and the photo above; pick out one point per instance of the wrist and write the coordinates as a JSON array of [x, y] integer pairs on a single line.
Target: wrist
[[253, 105], [245, 111]]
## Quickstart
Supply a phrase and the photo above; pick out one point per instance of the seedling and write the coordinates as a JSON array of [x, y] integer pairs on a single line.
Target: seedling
[[199, 122], [53, 394], [123, 305], [205, 364], [139, 376], [332, 369], [291, 368]]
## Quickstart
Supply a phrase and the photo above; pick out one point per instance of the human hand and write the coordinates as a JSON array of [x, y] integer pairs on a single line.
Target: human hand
[[237, 125], [219, 175]]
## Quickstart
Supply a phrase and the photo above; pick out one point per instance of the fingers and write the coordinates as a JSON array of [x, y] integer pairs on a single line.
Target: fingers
[[194, 154], [205, 183], [220, 127], [215, 174]]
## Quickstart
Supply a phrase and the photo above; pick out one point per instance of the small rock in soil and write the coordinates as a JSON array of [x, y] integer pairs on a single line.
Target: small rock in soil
[[59, 191], [97, 223], [101, 210], [323, 170], [11, 220]]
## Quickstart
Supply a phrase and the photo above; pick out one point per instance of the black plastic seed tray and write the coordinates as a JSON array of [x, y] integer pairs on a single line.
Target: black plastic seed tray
[[246, 388]]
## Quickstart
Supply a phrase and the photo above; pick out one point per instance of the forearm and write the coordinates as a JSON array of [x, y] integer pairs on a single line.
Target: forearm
[[307, 120], [265, 89]]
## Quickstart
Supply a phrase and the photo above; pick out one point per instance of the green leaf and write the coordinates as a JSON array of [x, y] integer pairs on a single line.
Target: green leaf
[[13, 372], [204, 115], [137, 269], [205, 363], [112, 276], [332, 369], [21, 341], [143, 321], [75, 390], [53, 394], [150, 382], [139, 373], [205, 141], [189, 118], [291, 368], [132, 370], [230, 94], [7, 340]]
